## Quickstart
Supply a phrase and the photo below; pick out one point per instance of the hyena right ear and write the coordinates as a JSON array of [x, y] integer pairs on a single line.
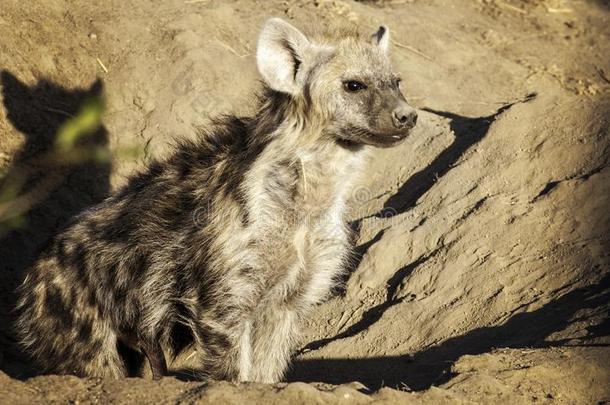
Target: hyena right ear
[[381, 38], [279, 54]]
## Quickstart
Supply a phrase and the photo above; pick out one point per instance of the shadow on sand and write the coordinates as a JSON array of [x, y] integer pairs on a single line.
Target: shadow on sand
[[468, 132], [38, 112], [432, 366]]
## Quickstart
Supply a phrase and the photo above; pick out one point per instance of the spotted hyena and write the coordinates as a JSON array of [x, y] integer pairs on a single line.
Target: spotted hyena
[[226, 245]]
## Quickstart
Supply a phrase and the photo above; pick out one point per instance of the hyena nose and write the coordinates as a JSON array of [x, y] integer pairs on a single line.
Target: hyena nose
[[404, 117]]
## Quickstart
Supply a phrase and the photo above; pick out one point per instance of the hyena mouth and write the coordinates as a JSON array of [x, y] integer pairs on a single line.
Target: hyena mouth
[[389, 140], [378, 139]]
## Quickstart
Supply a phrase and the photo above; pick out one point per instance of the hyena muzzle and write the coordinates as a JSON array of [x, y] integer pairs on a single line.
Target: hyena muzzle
[[224, 246]]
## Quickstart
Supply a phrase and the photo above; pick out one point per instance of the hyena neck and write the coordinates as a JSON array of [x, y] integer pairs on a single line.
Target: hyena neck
[[327, 172], [301, 159]]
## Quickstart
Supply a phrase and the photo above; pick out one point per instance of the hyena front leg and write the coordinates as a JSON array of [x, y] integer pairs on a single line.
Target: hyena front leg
[[218, 350], [156, 358], [273, 337]]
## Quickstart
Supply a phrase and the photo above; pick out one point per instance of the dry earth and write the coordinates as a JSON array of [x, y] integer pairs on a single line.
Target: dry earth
[[483, 269]]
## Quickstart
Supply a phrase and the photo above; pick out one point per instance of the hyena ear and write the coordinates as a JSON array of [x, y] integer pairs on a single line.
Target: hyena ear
[[279, 54], [382, 38]]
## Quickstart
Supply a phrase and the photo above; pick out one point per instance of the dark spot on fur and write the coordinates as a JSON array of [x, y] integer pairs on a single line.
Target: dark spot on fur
[[216, 343], [91, 298], [56, 306], [87, 355], [84, 331]]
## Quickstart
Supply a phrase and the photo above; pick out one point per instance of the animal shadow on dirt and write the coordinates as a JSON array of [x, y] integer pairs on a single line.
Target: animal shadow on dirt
[[432, 366], [468, 132], [60, 191]]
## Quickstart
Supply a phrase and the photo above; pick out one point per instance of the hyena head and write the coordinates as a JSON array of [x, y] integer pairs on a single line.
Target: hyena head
[[341, 82]]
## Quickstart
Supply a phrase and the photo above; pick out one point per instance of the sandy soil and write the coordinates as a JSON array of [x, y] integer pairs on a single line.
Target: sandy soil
[[483, 269]]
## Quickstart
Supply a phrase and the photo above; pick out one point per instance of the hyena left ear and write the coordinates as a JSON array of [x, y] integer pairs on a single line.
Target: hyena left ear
[[382, 38], [280, 51]]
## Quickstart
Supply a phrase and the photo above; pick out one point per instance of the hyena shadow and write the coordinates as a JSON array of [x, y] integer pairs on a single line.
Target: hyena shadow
[[468, 132], [433, 366], [58, 191]]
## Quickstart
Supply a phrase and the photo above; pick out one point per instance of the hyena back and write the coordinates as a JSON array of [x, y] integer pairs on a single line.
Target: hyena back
[[233, 238]]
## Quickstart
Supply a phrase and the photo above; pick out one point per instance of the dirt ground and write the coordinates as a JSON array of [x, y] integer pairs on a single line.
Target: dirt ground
[[483, 266]]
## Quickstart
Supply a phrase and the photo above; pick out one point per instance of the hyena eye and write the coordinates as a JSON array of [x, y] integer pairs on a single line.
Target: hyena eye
[[353, 86]]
